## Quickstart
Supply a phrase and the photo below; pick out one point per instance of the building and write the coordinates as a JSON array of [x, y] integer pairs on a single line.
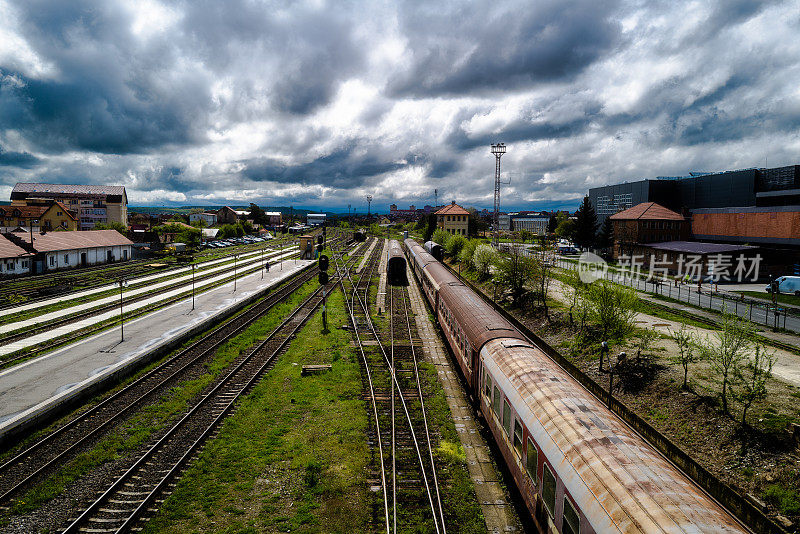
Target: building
[[774, 225], [91, 204], [411, 214], [315, 219], [504, 222], [14, 260], [50, 216], [647, 223], [453, 219], [529, 220], [274, 218], [209, 219], [226, 215], [693, 258], [61, 250]]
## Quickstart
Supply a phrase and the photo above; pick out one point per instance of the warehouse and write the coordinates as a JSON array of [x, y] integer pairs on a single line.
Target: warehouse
[[64, 250]]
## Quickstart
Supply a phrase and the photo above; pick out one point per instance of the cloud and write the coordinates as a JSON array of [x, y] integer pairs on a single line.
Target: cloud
[[318, 104]]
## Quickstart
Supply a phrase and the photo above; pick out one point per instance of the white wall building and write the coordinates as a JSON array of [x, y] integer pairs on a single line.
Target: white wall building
[[14, 260], [537, 225], [210, 219], [315, 219], [63, 250]]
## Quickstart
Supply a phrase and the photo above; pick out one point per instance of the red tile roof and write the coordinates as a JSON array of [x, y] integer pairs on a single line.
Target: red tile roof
[[452, 209], [648, 211], [53, 241], [66, 210], [26, 212], [10, 250]]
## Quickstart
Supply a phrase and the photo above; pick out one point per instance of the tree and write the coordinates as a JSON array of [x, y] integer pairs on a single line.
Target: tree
[[525, 235], [751, 379], [606, 238], [258, 215], [441, 237], [687, 353], [482, 260], [430, 227], [514, 271], [585, 224], [646, 339], [566, 228], [575, 291], [455, 244], [189, 236], [613, 307], [725, 351], [467, 251], [542, 277], [552, 224]]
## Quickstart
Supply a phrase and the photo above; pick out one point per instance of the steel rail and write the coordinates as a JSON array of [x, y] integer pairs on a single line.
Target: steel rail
[[239, 390], [253, 314]]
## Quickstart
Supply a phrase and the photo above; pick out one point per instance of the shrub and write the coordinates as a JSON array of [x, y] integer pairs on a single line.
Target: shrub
[[441, 237], [482, 260], [465, 256], [455, 244]]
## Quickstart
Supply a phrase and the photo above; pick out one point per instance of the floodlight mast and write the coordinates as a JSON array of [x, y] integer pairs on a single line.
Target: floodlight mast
[[369, 204], [498, 150]]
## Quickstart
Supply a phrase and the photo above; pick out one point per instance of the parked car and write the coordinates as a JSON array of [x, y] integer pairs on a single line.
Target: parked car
[[786, 284]]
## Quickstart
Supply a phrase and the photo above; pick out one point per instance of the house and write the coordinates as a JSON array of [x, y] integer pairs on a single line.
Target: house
[[274, 218], [209, 219], [60, 250], [646, 223], [453, 219], [226, 215], [47, 215], [91, 204], [14, 260]]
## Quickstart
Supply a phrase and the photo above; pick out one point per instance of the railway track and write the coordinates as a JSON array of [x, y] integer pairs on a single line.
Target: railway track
[[74, 336], [405, 468]]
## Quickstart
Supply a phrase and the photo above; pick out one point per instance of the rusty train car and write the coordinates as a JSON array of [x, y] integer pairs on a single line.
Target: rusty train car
[[579, 468], [396, 263]]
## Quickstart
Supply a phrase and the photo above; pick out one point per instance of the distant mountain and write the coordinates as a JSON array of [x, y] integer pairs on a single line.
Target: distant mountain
[[155, 210]]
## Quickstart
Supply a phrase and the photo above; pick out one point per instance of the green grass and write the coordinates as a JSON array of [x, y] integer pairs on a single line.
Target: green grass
[[785, 499], [139, 428], [293, 457]]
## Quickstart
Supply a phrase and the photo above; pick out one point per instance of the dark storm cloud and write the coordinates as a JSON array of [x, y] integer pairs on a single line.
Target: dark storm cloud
[[17, 159], [458, 48], [110, 95], [342, 168]]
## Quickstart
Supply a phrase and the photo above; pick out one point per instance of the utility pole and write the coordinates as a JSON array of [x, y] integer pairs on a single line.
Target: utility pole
[[122, 283], [435, 199], [498, 150]]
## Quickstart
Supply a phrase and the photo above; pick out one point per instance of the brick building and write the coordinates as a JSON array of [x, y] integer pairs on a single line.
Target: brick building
[[646, 223]]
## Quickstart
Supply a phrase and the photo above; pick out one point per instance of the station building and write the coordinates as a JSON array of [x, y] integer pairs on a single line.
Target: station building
[[14, 260], [453, 219]]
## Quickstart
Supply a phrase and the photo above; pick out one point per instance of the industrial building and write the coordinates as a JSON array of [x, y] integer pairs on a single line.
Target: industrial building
[[743, 206], [91, 204]]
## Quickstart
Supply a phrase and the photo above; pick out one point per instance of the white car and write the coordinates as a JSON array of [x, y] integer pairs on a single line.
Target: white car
[[786, 284]]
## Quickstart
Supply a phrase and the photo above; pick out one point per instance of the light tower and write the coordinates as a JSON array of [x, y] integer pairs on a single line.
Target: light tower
[[435, 199], [498, 150], [369, 203]]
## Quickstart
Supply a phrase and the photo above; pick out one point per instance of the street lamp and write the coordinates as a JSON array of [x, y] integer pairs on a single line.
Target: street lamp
[[193, 268], [262, 262], [122, 283], [235, 257], [498, 150]]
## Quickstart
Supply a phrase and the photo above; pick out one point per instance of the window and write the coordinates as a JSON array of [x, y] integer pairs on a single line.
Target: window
[[532, 460], [497, 400], [66, 259], [52, 261], [549, 490], [507, 418], [24, 264], [488, 384], [572, 522], [518, 438]]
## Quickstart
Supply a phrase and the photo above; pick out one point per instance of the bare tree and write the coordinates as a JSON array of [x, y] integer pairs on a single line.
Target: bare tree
[[726, 351], [515, 270], [687, 353], [751, 379], [644, 345]]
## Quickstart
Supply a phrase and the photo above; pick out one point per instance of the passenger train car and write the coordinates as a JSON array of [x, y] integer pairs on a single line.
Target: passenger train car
[[578, 466], [396, 263], [434, 249]]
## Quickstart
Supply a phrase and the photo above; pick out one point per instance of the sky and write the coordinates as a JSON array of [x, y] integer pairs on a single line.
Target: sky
[[317, 104]]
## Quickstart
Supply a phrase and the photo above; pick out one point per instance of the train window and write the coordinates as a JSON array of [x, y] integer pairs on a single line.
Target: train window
[[549, 490], [518, 437], [507, 418], [532, 460], [497, 399], [488, 389], [572, 522]]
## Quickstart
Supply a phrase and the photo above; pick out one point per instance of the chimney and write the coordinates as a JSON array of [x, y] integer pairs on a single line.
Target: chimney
[[453, 203]]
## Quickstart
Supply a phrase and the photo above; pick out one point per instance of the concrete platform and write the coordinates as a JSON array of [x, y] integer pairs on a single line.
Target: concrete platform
[[35, 389], [177, 276], [58, 331]]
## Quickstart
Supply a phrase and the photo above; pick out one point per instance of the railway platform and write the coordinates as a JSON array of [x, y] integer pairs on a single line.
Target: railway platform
[[35, 389]]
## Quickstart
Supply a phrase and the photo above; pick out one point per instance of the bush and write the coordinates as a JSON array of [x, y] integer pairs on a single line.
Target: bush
[[613, 307], [441, 237], [786, 500], [455, 244], [467, 251], [482, 260]]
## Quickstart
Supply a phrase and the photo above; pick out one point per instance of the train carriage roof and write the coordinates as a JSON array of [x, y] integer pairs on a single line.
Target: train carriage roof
[[479, 321], [619, 481]]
